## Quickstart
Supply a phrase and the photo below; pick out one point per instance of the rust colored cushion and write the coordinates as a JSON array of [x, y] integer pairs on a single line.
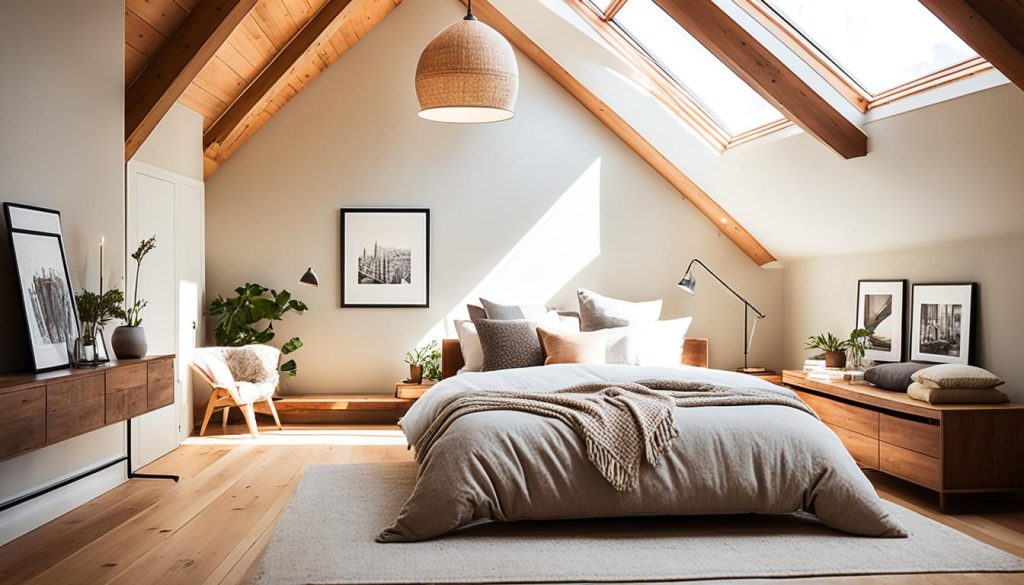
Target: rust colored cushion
[[573, 347]]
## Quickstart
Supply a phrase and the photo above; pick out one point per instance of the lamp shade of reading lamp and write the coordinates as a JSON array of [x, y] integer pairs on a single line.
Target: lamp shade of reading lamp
[[310, 278], [689, 284]]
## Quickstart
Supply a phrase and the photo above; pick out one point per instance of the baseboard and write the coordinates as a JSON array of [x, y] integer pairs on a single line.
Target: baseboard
[[34, 513]]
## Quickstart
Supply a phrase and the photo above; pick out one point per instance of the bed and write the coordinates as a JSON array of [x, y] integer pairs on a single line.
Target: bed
[[505, 465]]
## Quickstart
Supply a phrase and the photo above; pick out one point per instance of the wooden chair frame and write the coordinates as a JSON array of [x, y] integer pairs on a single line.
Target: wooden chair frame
[[221, 398]]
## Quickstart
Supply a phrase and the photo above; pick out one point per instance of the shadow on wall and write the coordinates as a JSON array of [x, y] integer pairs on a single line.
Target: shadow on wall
[[15, 349], [557, 248]]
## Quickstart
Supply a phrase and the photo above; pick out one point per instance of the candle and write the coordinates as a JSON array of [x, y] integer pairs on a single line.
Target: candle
[[102, 241]]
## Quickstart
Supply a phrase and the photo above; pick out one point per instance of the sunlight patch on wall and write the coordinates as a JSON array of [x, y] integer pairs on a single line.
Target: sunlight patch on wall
[[563, 241]]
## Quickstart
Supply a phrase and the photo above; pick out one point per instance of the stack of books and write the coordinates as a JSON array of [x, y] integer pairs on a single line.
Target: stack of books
[[816, 370]]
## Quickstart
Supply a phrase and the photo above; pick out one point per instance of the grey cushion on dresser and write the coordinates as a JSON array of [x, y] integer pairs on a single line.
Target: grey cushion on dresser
[[895, 377]]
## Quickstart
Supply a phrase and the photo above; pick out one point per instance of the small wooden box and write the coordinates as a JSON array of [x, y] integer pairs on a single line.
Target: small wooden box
[[413, 391]]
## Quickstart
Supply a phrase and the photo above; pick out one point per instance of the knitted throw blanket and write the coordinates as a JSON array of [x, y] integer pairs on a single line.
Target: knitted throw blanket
[[620, 423]]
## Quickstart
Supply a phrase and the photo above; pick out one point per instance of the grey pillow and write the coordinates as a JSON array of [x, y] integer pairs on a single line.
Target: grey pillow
[[476, 312], [894, 377], [601, 312], [511, 343], [504, 312]]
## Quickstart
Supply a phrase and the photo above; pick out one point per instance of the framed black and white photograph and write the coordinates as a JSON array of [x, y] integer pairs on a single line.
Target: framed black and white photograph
[[942, 323], [880, 306], [385, 257], [44, 283]]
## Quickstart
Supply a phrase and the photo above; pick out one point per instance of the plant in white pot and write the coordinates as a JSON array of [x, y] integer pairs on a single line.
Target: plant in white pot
[[129, 340]]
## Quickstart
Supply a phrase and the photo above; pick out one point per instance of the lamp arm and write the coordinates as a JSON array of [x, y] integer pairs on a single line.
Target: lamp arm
[[760, 315]]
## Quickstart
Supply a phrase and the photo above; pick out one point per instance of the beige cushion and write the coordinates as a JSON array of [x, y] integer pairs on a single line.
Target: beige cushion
[[923, 393], [469, 341], [656, 343], [956, 376], [572, 347], [601, 312]]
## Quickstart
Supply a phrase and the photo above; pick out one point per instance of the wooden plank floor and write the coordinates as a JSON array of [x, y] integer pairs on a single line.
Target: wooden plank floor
[[212, 527]]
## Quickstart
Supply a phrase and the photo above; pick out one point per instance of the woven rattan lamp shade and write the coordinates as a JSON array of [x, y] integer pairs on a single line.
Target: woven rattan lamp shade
[[467, 75]]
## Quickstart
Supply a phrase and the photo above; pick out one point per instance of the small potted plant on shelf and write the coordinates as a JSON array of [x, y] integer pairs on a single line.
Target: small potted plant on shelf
[[424, 362], [857, 346], [95, 310], [834, 348], [129, 340]]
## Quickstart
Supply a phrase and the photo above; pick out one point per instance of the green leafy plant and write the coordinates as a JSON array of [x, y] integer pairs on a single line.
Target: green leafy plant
[[248, 318], [857, 343], [133, 313], [96, 310], [428, 357], [827, 342]]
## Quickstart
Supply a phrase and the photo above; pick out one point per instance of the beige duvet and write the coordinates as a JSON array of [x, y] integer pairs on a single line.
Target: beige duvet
[[507, 465]]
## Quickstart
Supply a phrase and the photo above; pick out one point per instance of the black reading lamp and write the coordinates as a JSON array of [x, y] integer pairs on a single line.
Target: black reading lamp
[[689, 283], [310, 278]]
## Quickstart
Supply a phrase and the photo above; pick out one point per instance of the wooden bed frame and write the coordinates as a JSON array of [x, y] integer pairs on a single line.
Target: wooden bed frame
[[695, 353]]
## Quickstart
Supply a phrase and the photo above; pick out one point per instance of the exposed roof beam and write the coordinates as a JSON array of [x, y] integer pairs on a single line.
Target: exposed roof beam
[[690, 190], [993, 28], [318, 30], [176, 64], [767, 74]]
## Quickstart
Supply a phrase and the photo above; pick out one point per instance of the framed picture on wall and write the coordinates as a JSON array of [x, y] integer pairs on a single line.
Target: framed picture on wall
[[385, 257], [880, 305], [44, 283], [942, 323]]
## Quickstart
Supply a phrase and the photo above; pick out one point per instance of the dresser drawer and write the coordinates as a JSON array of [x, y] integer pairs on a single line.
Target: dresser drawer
[[839, 414], [910, 465], [74, 407], [160, 391], [24, 427], [910, 434], [863, 449], [126, 392]]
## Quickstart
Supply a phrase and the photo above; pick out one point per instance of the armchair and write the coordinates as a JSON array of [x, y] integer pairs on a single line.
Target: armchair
[[238, 376]]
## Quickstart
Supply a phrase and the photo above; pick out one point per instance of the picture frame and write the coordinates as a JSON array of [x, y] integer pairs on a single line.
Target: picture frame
[[385, 257], [942, 322], [44, 284], [881, 309]]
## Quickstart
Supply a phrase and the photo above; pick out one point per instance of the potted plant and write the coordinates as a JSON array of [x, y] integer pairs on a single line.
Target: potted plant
[[129, 340], [858, 345], [834, 348], [94, 312], [249, 317], [424, 361]]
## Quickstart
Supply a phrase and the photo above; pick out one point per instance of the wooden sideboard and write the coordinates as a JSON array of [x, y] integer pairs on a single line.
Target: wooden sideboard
[[43, 409], [948, 448]]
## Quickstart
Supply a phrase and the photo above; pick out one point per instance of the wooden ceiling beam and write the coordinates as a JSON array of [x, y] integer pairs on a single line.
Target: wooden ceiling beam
[[767, 74], [993, 28], [175, 65], [318, 30], [487, 13]]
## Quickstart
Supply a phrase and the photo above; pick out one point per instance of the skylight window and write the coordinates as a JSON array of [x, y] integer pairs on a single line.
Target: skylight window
[[736, 107], [878, 47]]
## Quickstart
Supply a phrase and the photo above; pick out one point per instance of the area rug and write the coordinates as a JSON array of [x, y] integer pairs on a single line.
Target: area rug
[[325, 536]]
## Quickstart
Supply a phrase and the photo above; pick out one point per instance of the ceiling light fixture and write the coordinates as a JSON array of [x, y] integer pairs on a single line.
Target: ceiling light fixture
[[467, 75]]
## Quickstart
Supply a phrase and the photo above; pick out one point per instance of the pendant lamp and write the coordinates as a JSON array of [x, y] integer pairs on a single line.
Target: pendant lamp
[[467, 75]]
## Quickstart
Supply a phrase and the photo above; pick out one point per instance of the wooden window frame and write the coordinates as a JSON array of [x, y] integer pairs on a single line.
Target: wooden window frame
[[662, 85], [833, 74]]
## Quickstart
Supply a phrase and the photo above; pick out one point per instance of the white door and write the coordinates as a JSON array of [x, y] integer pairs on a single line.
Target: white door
[[169, 206]]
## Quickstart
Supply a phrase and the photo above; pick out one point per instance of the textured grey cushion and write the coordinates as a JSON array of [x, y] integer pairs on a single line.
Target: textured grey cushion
[[476, 312], [510, 343], [601, 312], [504, 312], [894, 377], [956, 376]]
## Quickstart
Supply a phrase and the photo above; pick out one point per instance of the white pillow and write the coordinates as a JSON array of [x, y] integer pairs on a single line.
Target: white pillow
[[469, 341], [657, 343], [601, 312]]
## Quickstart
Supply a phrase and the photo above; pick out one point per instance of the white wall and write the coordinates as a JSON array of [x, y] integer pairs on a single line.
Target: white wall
[[523, 210], [62, 147], [176, 143], [821, 295]]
